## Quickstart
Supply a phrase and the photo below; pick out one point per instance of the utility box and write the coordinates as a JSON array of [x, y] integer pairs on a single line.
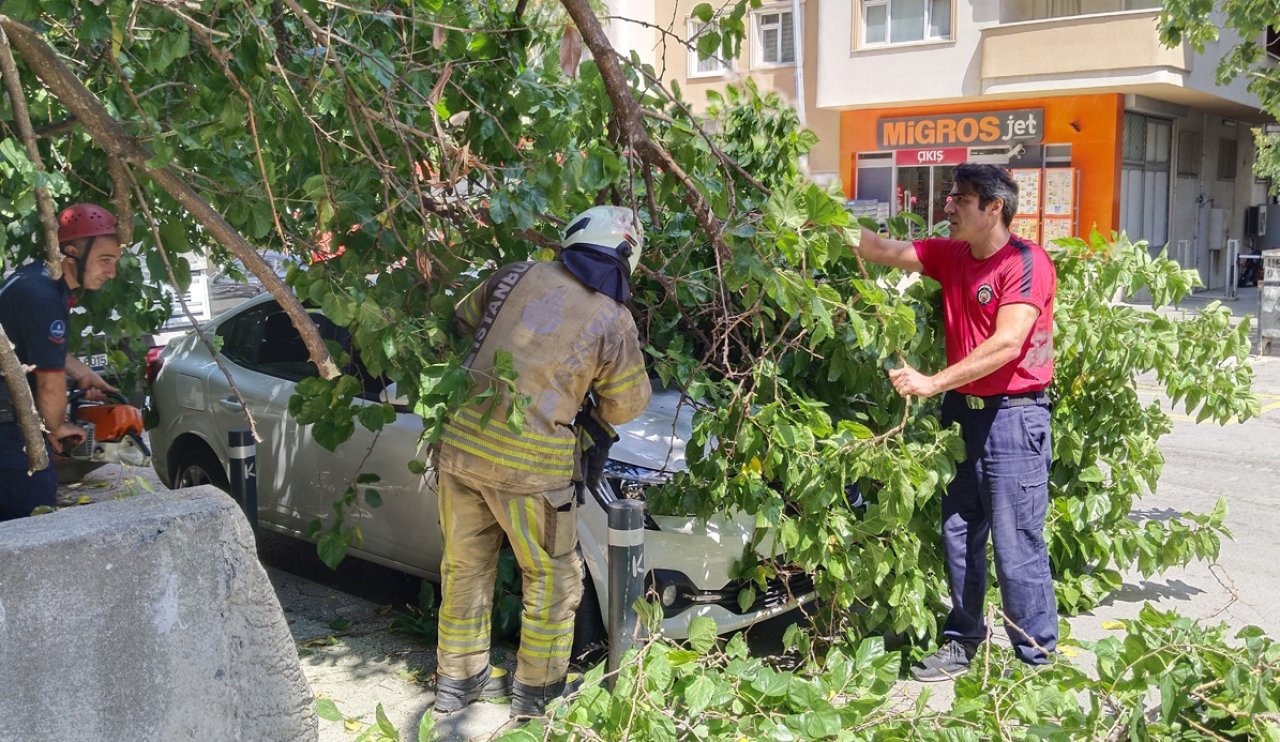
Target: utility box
[[1269, 300], [1255, 221]]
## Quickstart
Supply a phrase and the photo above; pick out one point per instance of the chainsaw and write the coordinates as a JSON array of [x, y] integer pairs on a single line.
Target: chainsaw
[[113, 431]]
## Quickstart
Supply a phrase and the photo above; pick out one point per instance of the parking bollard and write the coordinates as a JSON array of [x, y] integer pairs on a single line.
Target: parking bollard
[[244, 474], [626, 577]]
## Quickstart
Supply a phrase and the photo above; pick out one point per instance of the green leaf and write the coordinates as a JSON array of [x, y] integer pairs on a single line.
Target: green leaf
[[332, 549], [389, 731], [699, 694], [327, 710], [702, 634], [703, 12]]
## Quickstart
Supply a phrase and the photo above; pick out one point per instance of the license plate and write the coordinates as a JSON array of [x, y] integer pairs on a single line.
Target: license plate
[[95, 361]]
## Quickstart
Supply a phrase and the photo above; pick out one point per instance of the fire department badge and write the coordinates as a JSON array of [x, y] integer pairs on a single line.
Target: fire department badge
[[57, 331], [985, 294]]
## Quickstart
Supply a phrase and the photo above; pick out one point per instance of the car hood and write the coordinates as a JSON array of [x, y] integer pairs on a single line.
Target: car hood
[[656, 438]]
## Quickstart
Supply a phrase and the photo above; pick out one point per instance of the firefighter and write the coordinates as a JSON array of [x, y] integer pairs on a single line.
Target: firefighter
[[34, 311], [997, 311], [565, 330]]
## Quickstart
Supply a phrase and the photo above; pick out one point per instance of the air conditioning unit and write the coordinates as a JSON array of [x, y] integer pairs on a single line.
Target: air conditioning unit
[[1255, 221]]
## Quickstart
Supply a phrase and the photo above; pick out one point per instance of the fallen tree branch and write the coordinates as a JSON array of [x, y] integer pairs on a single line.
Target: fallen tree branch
[[24, 405], [44, 204], [627, 113], [108, 134]]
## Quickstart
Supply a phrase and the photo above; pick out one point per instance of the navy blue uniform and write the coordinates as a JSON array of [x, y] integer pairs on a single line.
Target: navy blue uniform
[[1001, 489], [34, 314]]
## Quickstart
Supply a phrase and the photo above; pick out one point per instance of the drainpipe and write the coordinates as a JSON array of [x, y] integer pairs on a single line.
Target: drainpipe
[[797, 33]]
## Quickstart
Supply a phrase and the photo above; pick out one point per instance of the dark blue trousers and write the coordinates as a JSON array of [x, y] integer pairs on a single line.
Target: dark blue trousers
[[1001, 490], [20, 493]]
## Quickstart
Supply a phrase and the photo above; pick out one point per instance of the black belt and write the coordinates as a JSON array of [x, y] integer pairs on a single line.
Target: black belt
[[1001, 401]]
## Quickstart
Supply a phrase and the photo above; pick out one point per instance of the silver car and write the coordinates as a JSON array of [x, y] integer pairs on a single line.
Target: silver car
[[691, 563]]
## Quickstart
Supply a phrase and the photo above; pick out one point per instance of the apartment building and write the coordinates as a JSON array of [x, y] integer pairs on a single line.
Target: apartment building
[[1103, 127]]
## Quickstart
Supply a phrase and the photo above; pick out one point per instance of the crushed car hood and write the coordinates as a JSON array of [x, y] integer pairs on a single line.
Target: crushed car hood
[[656, 439]]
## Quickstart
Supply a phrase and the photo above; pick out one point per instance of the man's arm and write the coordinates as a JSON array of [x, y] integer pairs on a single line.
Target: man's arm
[[51, 402], [86, 378], [893, 253], [1013, 324]]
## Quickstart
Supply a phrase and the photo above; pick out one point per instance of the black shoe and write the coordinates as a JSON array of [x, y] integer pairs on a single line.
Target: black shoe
[[948, 663], [528, 701], [455, 695]]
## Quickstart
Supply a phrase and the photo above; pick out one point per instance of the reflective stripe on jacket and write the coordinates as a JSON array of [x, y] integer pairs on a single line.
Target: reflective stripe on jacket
[[563, 339]]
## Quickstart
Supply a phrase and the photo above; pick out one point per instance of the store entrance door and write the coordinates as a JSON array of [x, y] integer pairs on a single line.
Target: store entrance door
[[922, 190]]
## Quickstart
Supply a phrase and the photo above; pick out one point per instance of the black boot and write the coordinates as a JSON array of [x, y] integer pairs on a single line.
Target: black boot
[[455, 695], [531, 700]]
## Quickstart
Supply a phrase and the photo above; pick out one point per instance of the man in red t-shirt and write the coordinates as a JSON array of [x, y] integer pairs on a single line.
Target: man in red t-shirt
[[997, 307]]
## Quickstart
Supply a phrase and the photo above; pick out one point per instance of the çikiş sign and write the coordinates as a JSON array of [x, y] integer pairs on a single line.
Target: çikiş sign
[[962, 129]]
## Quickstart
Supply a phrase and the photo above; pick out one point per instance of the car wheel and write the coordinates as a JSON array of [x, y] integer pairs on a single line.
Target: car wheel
[[197, 466], [588, 629]]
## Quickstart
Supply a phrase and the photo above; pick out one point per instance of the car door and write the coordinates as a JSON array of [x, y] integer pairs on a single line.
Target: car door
[[400, 522], [265, 357]]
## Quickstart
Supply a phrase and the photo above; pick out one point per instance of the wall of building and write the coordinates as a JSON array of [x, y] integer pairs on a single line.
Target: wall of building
[[923, 72], [674, 60], [1094, 140]]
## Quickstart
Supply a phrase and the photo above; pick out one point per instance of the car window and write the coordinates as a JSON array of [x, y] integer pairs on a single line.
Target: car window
[[264, 339]]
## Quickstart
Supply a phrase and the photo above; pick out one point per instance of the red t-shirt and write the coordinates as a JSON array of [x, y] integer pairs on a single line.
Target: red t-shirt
[[974, 290]]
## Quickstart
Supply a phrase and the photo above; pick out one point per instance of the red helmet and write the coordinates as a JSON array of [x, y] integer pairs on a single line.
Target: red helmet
[[85, 220]]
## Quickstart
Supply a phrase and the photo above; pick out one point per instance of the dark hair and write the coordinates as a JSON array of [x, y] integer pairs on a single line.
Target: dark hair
[[990, 182]]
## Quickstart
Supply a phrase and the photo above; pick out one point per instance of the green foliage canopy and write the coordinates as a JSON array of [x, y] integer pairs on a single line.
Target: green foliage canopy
[[435, 140]]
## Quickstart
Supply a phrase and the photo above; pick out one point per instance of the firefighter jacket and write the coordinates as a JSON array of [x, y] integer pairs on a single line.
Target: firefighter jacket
[[563, 340]]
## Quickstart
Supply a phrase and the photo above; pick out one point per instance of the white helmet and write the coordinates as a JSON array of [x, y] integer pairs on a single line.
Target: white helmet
[[613, 230]]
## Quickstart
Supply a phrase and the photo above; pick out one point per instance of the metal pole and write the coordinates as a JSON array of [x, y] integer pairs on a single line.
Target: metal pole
[[797, 36], [1233, 269], [626, 577], [244, 474]]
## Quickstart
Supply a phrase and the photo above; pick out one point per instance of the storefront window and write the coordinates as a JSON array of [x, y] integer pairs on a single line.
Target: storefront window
[[1144, 186], [923, 191]]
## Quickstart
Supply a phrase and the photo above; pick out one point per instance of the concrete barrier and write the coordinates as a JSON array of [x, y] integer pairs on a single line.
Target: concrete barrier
[[147, 618]]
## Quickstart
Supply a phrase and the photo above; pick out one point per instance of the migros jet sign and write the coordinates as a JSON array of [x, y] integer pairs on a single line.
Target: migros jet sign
[[962, 129]]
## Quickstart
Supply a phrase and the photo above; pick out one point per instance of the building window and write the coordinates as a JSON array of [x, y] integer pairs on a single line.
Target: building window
[[776, 37], [1273, 42], [905, 21], [1190, 152], [1144, 179], [712, 65], [1226, 159]]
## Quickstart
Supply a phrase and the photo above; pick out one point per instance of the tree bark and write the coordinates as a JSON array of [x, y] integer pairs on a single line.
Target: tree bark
[[44, 204], [627, 113], [108, 134], [24, 405]]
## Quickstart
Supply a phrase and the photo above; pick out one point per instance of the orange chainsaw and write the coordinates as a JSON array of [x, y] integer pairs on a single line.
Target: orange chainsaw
[[113, 431]]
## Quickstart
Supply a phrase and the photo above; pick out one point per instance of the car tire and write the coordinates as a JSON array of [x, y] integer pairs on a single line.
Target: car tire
[[198, 465], [588, 628]]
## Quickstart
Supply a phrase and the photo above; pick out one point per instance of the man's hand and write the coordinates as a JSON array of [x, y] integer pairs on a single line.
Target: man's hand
[[94, 386], [911, 383], [67, 433]]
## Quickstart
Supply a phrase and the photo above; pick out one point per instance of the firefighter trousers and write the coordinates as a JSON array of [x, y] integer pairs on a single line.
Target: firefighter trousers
[[1000, 493], [542, 529]]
